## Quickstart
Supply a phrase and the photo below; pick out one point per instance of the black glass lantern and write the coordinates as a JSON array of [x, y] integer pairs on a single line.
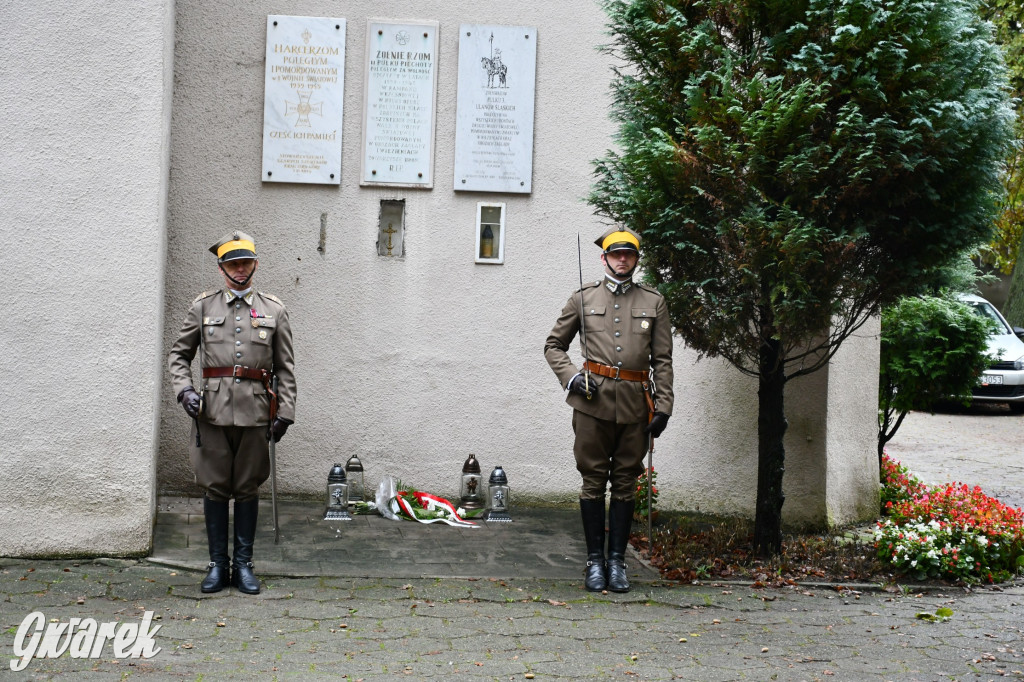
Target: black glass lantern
[[337, 496], [498, 497], [356, 482], [471, 486]]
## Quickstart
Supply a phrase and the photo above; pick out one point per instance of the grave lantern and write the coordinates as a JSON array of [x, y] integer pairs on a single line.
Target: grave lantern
[[356, 482], [498, 497], [337, 496], [471, 485]]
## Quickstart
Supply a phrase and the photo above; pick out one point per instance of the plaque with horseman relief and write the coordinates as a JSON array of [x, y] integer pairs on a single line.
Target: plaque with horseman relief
[[494, 121], [304, 92], [400, 103]]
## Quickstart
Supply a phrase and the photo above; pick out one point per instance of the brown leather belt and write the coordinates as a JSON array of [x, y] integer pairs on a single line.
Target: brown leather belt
[[615, 372], [238, 372]]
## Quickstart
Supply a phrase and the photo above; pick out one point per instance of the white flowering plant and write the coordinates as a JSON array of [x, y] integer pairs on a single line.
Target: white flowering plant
[[951, 531], [933, 549]]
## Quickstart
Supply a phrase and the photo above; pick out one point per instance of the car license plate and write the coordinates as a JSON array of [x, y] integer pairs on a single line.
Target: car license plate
[[991, 379]]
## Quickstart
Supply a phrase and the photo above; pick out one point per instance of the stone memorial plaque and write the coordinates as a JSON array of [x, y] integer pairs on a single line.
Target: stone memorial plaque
[[399, 103], [494, 122], [303, 98]]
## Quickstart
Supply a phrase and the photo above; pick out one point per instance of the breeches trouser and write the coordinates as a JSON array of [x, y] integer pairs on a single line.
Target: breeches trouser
[[607, 452], [233, 461]]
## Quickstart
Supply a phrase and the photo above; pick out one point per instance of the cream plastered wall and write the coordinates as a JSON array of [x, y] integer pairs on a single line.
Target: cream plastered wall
[[853, 385], [413, 363], [84, 125]]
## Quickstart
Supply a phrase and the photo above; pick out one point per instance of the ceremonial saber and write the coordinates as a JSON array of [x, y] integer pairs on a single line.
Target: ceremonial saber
[[583, 326], [650, 473], [650, 391], [273, 469]]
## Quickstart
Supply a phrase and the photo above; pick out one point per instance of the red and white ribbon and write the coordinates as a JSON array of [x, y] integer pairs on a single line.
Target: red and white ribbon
[[432, 503]]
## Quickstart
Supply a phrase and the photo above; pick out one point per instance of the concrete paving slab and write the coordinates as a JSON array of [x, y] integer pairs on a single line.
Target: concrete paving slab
[[539, 543]]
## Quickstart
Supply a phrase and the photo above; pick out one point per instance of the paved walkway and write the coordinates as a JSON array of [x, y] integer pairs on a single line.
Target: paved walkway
[[514, 629], [375, 599], [979, 445]]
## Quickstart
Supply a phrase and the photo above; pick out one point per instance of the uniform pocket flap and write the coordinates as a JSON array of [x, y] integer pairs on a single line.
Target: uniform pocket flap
[[209, 321], [594, 310], [211, 384], [644, 312], [264, 322]]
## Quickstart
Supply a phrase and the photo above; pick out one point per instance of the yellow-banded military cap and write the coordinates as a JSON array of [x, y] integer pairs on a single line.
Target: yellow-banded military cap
[[234, 246], [619, 239]]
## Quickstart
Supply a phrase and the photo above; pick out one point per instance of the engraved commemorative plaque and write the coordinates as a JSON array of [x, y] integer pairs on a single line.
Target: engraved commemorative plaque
[[399, 104], [304, 93], [494, 122]]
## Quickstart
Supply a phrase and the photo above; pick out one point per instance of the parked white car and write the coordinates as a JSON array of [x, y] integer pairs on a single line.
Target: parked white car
[[1003, 381]]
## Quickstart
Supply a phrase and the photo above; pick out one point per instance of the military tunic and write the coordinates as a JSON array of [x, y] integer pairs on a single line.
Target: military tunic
[[627, 326], [253, 332]]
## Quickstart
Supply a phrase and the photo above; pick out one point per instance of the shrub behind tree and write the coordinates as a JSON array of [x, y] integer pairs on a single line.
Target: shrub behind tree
[[933, 349]]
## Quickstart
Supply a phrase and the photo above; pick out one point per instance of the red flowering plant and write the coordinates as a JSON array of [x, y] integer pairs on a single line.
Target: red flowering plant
[[898, 484], [641, 492], [952, 532]]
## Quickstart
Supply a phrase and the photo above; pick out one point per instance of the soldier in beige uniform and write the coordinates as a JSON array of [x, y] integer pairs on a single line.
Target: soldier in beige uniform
[[628, 343], [243, 338]]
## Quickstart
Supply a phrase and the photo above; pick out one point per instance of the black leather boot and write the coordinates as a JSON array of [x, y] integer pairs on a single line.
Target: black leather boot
[[245, 534], [592, 512], [219, 575], [620, 520]]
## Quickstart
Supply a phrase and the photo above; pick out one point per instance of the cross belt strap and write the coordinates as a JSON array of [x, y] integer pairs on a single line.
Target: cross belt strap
[[615, 372], [237, 372]]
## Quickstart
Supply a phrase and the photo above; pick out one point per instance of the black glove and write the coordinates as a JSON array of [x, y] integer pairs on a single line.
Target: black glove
[[579, 385], [191, 401], [657, 425], [278, 428]]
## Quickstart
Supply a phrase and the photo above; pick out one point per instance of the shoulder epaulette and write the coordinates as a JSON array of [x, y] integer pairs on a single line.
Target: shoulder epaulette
[[273, 298], [590, 285], [205, 294], [648, 287]]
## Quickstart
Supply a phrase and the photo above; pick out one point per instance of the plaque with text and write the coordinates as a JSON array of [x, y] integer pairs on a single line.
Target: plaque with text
[[399, 103], [303, 98], [494, 122]]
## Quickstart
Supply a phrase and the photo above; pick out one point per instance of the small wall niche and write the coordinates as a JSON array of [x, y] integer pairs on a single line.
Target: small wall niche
[[490, 233], [391, 228]]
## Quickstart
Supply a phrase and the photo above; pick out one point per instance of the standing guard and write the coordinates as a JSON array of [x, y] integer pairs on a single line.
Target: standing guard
[[621, 397], [244, 340]]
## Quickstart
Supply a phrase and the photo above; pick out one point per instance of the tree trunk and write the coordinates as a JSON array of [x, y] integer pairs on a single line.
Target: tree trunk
[[1013, 309], [771, 451], [884, 438]]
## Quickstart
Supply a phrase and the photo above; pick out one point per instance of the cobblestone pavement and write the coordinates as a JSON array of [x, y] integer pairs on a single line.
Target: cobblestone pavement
[[527, 615], [489, 629]]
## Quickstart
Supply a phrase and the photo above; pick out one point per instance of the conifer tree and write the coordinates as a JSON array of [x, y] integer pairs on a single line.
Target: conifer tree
[[792, 166]]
